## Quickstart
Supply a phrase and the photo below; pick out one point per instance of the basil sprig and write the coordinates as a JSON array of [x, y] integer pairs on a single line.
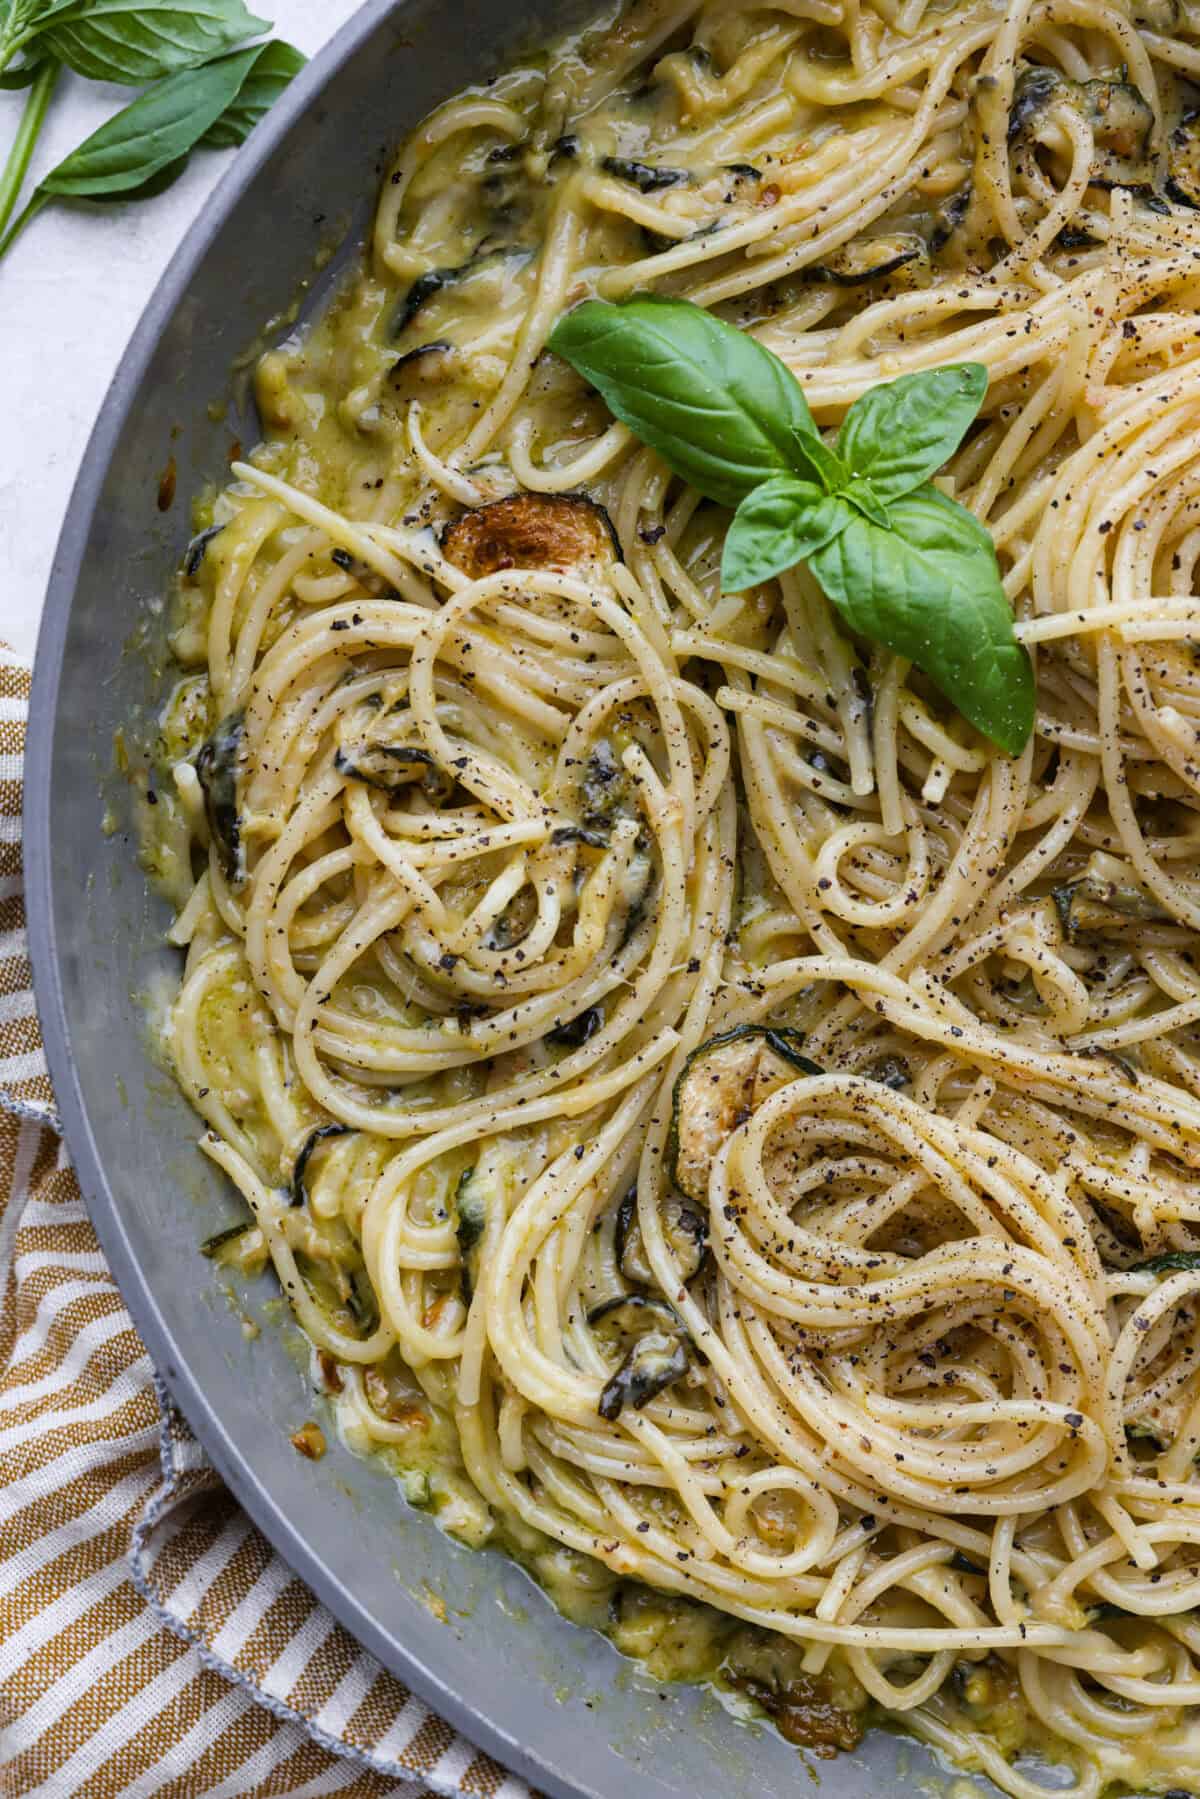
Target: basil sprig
[[207, 90], [140, 40], [904, 565]]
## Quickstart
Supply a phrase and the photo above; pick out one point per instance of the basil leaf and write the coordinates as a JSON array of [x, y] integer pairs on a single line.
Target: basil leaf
[[275, 66], [930, 590], [718, 406], [151, 133], [142, 40], [784, 521], [24, 75], [862, 495], [901, 432], [825, 463]]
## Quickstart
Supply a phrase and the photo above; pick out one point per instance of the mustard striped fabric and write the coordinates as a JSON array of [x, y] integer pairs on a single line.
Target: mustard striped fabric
[[152, 1644]]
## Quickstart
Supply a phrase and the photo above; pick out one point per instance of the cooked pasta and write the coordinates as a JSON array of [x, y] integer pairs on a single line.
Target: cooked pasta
[[729, 1132]]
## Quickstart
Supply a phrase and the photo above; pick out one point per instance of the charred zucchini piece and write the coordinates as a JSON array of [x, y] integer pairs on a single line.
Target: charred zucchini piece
[[1033, 91], [233, 1248], [1094, 903], [299, 1183], [655, 1345], [557, 531], [745, 171], [872, 259], [1122, 122], [684, 1227], [360, 1301], [890, 1071], [577, 1030], [391, 767], [194, 554], [426, 366], [1183, 161], [435, 281], [721, 1084], [803, 1712], [470, 1222], [643, 175], [949, 217], [1076, 237], [595, 839], [218, 762]]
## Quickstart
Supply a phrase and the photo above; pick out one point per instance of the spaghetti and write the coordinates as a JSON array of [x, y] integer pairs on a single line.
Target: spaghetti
[[725, 1128]]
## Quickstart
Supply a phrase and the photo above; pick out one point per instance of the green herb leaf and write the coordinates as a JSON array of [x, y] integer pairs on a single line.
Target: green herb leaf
[[861, 495], [274, 67], [784, 521], [24, 75], [720, 408], [901, 432], [814, 453], [155, 131], [142, 40], [930, 589]]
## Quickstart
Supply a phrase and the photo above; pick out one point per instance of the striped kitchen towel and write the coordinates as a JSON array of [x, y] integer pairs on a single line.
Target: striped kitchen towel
[[151, 1641]]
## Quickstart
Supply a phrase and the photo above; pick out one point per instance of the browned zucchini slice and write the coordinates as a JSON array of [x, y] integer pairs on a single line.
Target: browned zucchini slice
[[646, 177], [240, 1246], [655, 1345], [470, 1221], [532, 530], [393, 766], [1183, 161], [426, 366], [1121, 118], [1094, 903], [684, 1226], [218, 764], [299, 1184], [721, 1084], [871, 259]]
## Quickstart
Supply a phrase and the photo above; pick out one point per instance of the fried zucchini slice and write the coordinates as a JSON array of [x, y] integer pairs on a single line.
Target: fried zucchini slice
[[871, 259], [655, 1345], [721, 1084], [684, 1226], [393, 766], [1121, 118], [1104, 898], [218, 765], [532, 530], [471, 1200]]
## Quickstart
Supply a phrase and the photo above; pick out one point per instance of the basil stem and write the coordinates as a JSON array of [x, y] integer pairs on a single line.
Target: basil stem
[[32, 119]]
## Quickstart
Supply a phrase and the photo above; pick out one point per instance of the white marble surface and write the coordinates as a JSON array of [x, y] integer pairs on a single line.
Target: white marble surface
[[71, 291]]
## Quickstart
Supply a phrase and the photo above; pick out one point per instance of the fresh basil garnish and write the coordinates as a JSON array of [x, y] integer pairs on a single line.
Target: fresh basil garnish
[[142, 40], [152, 132], [928, 588], [904, 565], [207, 91], [782, 522], [270, 72], [900, 433], [718, 406]]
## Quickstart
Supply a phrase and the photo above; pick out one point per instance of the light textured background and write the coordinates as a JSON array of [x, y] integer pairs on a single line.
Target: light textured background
[[71, 291]]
